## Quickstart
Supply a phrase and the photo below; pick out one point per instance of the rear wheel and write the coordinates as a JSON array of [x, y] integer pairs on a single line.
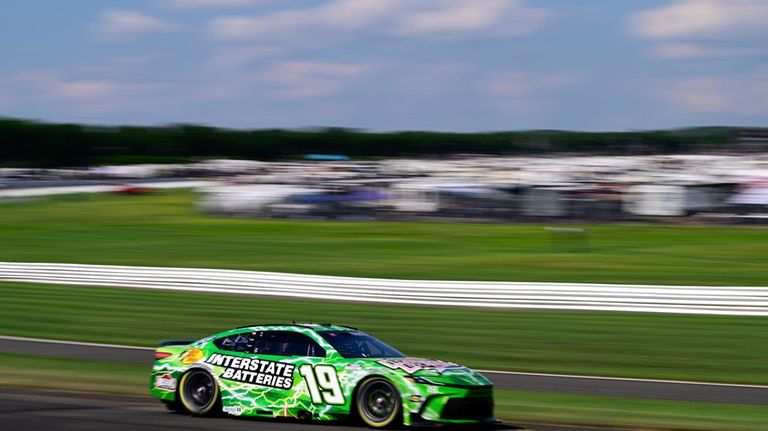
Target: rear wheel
[[378, 402], [198, 392]]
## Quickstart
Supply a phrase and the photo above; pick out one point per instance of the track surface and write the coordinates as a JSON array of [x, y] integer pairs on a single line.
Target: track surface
[[662, 390], [24, 409]]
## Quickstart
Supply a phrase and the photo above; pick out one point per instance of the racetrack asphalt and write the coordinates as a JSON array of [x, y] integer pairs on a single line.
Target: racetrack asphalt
[[26, 409], [586, 385]]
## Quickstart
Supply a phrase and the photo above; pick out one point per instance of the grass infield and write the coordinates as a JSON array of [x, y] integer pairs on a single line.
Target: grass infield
[[164, 229], [664, 346]]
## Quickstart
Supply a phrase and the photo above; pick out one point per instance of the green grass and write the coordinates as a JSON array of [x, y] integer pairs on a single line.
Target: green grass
[[512, 406], [73, 374], [164, 229], [667, 346], [517, 406]]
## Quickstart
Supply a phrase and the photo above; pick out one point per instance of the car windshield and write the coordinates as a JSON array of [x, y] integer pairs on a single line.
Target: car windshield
[[356, 344]]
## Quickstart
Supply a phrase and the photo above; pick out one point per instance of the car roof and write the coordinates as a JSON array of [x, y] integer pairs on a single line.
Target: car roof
[[312, 326]]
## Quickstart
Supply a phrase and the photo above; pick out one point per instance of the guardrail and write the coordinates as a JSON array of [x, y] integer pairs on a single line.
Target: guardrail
[[748, 301], [17, 192]]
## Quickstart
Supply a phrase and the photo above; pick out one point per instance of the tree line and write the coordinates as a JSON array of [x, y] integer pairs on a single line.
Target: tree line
[[27, 143]]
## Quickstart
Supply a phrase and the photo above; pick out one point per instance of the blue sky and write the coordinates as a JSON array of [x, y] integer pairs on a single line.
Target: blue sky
[[453, 65]]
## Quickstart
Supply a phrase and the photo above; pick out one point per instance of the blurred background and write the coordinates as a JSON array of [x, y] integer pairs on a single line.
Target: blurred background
[[605, 163], [474, 177]]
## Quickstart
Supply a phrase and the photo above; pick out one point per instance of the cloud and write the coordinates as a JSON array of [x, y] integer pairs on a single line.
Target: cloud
[[122, 24], [339, 14], [521, 92], [702, 18], [77, 90], [693, 50], [199, 4], [390, 18], [236, 56], [743, 95], [84, 95], [467, 16], [300, 80], [455, 16], [703, 29]]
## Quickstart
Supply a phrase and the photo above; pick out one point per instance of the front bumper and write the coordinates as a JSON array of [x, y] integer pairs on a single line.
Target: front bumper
[[453, 405]]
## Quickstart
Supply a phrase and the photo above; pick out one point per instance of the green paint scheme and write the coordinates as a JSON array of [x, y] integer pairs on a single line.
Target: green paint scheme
[[323, 388]]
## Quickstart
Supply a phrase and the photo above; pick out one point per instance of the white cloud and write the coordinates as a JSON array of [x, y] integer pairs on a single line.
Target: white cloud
[[456, 16], [77, 90], [236, 56], [343, 14], [299, 80], [195, 4], [121, 24], [85, 95], [352, 14], [700, 94], [525, 92], [510, 17], [703, 29], [702, 18], [388, 17], [744, 95], [693, 50]]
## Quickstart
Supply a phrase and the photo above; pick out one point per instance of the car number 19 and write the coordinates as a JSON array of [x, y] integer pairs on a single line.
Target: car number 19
[[323, 384]]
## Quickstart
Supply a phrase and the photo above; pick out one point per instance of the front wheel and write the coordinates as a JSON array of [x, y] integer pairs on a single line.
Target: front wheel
[[378, 402], [198, 392]]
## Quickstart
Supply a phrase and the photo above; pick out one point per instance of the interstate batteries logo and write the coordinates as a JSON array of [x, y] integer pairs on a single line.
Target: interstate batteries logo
[[254, 371]]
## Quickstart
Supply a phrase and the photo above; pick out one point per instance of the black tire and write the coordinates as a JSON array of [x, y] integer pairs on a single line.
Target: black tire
[[378, 403], [199, 393], [174, 406]]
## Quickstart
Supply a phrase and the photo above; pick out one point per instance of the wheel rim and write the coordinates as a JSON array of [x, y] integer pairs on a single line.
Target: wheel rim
[[379, 401], [199, 390]]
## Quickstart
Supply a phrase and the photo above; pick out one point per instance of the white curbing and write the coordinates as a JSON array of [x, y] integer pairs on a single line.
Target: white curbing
[[733, 301]]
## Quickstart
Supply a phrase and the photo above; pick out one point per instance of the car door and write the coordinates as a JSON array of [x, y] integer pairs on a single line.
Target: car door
[[256, 371], [316, 383], [275, 373]]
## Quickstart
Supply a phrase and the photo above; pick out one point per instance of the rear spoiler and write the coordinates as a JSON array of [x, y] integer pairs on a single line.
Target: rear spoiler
[[164, 343]]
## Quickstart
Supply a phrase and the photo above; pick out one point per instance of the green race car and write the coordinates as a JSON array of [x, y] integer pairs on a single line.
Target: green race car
[[316, 372]]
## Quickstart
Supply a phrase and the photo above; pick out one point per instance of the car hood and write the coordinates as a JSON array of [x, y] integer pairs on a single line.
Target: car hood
[[435, 371]]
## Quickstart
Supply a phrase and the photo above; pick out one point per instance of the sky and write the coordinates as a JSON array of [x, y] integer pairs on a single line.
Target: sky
[[382, 65]]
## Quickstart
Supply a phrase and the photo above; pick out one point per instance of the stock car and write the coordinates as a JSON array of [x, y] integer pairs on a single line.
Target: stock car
[[316, 372]]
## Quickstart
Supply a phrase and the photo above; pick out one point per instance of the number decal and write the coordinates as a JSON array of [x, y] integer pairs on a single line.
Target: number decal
[[323, 384], [329, 382], [309, 376]]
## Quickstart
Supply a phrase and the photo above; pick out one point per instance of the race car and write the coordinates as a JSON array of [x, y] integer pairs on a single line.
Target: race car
[[315, 372]]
